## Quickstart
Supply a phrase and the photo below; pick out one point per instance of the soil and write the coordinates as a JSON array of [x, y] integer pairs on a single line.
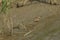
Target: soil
[[38, 21]]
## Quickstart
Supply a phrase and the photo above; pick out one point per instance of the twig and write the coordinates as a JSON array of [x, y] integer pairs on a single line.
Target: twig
[[27, 33]]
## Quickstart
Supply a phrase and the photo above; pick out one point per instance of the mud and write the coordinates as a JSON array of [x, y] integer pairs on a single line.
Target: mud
[[27, 28]]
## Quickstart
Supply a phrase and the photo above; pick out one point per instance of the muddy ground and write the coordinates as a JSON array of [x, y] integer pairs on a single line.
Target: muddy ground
[[38, 21]]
